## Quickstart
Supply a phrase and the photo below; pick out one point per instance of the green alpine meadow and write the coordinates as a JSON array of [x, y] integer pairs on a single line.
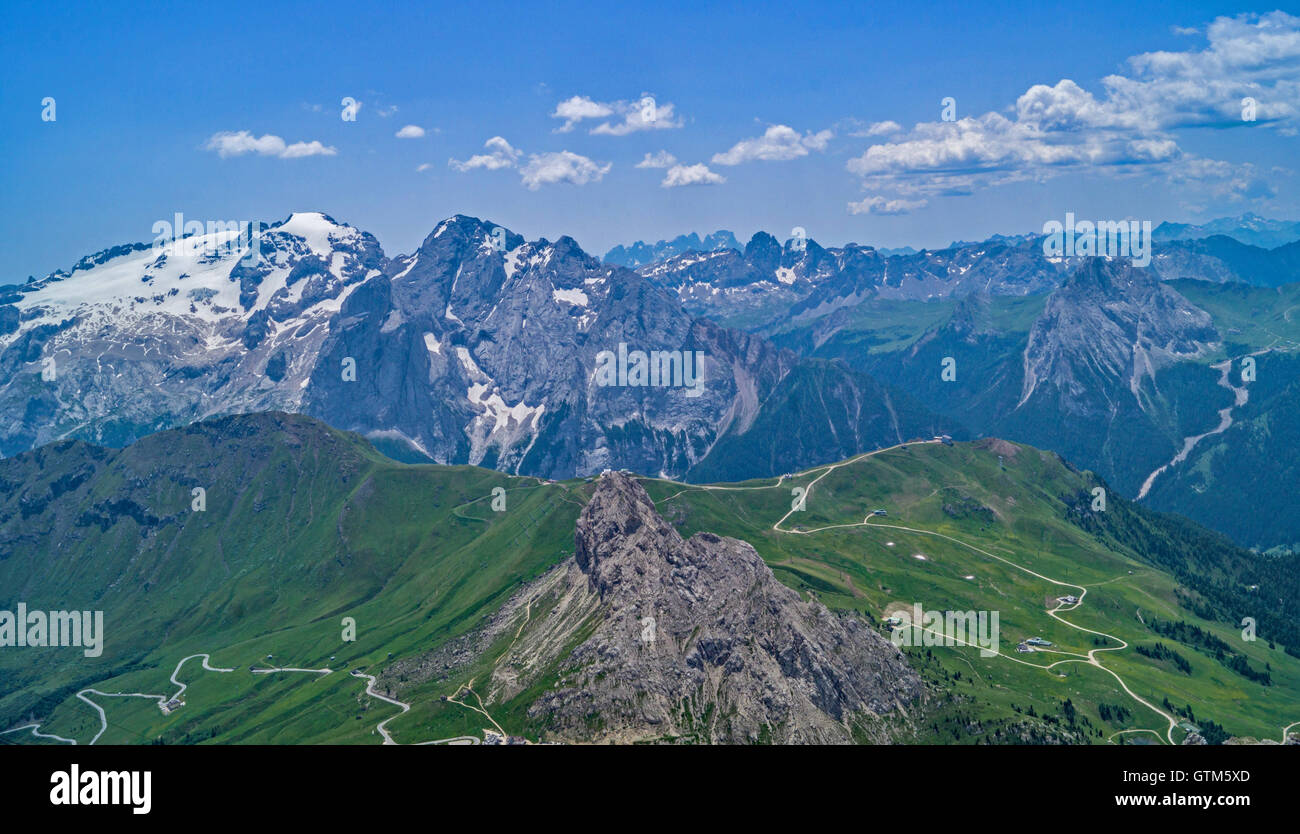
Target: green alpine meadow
[[320, 592]]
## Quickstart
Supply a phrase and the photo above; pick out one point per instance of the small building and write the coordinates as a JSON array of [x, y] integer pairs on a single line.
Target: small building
[[1068, 600], [1038, 641], [1022, 648]]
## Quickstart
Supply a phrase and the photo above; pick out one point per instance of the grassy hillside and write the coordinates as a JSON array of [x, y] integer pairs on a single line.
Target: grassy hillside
[[965, 532], [305, 526], [1257, 317]]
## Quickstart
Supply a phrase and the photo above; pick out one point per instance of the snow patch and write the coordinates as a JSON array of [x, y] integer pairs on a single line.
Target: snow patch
[[574, 297], [512, 260]]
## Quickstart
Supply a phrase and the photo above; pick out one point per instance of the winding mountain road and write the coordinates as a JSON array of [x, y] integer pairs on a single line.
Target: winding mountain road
[[370, 690], [1089, 659]]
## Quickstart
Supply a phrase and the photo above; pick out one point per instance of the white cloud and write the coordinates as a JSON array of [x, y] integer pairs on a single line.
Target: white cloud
[[410, 132], [575, 169], [819, 140], [680, 175], [312, 148], [995, 144], [574, 110], [882, 205], [422, 167], [643, 114], [778, 143], [500, 155], [884, 128], [662, 159], [231, 143], [540, 169], [1124, 128], [237, 143]]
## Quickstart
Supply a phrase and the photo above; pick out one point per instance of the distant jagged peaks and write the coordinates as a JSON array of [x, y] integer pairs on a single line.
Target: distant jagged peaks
[[642, 253], [1012, 240], [1248, 228]]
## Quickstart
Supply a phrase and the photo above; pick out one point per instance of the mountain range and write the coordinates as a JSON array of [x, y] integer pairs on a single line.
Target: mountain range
[[1119, 368], [1248, 228], [640, 253], [465, 351], [483, 348]]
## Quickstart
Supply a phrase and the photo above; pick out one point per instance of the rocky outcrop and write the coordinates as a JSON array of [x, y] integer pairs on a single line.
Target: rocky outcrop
[[696, 639], [1104, 330]]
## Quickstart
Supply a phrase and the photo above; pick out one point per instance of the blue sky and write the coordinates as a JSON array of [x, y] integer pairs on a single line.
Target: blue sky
[[767, 116]]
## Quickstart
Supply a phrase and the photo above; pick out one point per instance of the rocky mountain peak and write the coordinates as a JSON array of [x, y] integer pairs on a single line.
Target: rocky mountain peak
[[763, 251], [703, 621], [1106, 276], [566, 247], [621, 519], [971, 315], [1108, 327], [461, 234]]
